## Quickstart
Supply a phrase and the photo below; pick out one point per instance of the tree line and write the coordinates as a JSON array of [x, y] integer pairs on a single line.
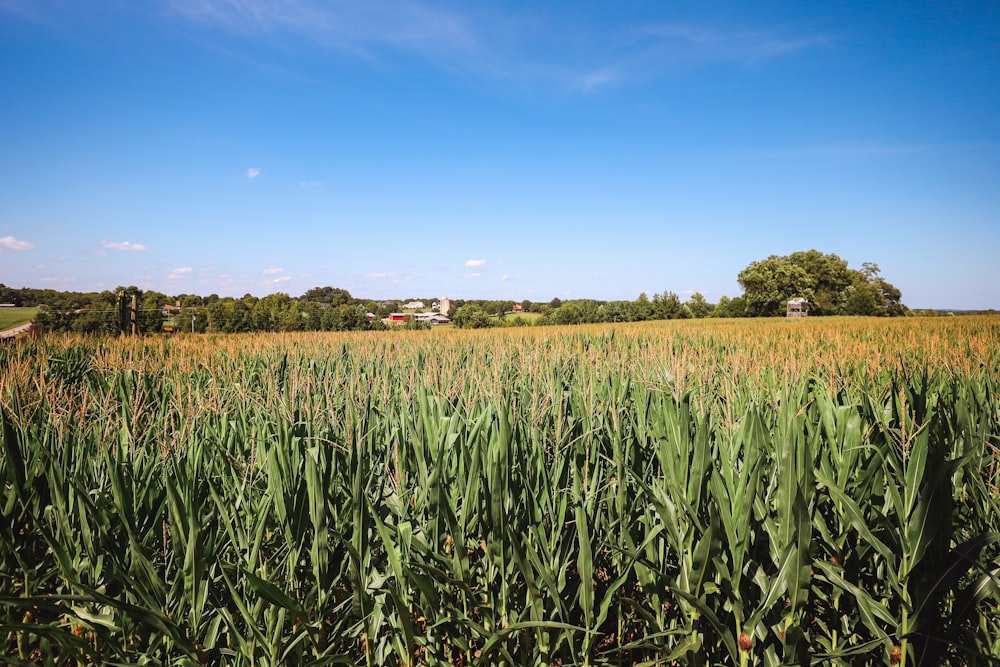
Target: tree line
[[100, 312], [825, 280]]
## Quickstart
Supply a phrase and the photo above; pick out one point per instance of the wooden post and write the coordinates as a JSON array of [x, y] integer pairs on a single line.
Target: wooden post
[[134, 314], [122, 313]]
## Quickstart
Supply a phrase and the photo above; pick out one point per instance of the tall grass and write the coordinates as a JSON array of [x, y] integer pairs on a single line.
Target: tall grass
[[694, 493]]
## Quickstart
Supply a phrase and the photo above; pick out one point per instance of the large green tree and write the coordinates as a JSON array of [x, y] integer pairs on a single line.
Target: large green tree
[[824, 279], [330, 296], [770, 283]]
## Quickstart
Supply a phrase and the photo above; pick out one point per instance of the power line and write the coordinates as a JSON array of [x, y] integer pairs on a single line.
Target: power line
[[89, 311]]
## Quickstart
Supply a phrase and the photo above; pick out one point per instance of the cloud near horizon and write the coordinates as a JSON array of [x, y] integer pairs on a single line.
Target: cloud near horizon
[[179, 272], [474, 262], [124, 245], [11, 243], [273, 271], [56, 280]]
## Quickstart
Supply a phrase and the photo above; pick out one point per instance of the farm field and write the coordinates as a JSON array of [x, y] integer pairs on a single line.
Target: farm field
[[707, 492], [529, 318], [15, 317]]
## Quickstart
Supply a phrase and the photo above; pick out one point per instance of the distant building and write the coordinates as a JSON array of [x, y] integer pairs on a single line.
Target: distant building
[[517, 308], [171, 309], [798, 307], [444, 305], [433, 318], [413, 305]]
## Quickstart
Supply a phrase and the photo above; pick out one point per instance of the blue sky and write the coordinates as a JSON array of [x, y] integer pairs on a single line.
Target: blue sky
[[519, 150]]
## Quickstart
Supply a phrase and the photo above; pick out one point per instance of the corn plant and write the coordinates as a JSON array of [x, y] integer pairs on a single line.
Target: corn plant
[[694, 493]]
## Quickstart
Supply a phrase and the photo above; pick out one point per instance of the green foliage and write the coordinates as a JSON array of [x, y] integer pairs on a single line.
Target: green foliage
[[648, 494], [825, 280], [735, 307], [72, 365], [329, 296], [471, 317]]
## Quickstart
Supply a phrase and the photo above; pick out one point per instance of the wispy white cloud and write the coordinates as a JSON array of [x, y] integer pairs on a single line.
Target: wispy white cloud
[[515, 46], [673, 43], [124, 245], [273, 271], [474, 262], [310, 184], [11, 243], [56, 280], [278, 280], [354, 27], [253, 172], [379, 276], [179, 272], [587, 82], [505, 277], [473, 275]]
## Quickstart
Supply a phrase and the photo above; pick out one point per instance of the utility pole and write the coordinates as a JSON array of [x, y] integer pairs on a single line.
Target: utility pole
[[134, 315], [122, 313]]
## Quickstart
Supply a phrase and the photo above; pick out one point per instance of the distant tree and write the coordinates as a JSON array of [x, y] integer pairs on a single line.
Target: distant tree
[[828, 277], [103, 314], [615, 311], [642, 309], [344, 317], [471, 317], [291, 318], [8, 295], [579, 311], [332, 296], [52, 321], [229, 315], [193, 319], [698, 306], [825, 280], [312, 315], [151, 305], [888, 296], [190, 300], [861, 299], [727, 307], [269, 313], [667, 306], [770, 283]]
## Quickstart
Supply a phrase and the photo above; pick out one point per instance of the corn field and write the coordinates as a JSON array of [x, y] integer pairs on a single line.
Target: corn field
[[822, 491]]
